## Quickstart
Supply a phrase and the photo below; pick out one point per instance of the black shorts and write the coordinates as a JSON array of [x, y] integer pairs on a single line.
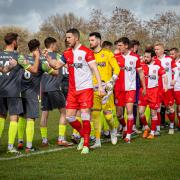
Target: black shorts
[[52, 100], [13, 105], [30, 108]]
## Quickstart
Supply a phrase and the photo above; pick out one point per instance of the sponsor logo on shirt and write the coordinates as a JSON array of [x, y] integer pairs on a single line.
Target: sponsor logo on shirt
[[77, 65], [101, 64]]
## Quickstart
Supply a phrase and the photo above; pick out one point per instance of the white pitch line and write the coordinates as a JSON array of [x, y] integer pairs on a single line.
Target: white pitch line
[[42, 152], [36, 153]]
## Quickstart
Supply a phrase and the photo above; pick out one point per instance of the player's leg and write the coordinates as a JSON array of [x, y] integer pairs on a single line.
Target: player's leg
[[108, 114], [129, 99], [104, 126], [75, 135], [46, 106], [169, 102], [43, 127], [14, 111], [120, 116], [21, 130], [163, 115], [177, 100], [3, 115], [22, 125], [130, 121], [32, 113], [143, 120], [171, 116], [71, 118], [62, 129], [178, 116], [96, 119], [120, 104], [86, 116], [153, 123]]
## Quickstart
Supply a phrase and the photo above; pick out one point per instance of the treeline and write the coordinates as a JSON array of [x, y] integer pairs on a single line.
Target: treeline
[[163, 27]]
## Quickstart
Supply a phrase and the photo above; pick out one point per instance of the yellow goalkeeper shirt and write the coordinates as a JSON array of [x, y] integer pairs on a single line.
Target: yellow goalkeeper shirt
[[107, 65]]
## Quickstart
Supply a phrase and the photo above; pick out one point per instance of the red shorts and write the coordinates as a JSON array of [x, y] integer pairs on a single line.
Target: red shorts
[[177, 97], [151, 98], [82, 99], [167, 98], [124, 97]]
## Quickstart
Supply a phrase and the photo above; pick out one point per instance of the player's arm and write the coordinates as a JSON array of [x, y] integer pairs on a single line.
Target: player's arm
[[8, 68], [25, 64], [141, 76], [175, 71], [46, 68], [116, 71], [115, 66], [142, 80], [163, 74], [95, 71], [55, 64]]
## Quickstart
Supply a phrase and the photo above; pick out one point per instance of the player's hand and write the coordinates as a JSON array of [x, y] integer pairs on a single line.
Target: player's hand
[[109, 86], [12, 62], [144, 91], [101, 91], [173, 82], [36, 54], [165, 89]]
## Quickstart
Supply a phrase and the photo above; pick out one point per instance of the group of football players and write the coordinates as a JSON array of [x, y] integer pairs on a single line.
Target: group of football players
[[95, 89]]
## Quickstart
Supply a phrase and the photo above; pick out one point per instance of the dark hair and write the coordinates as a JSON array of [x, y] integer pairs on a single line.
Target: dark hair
[[96, 34], [124, 40], [133, 43], [107, 43], [48, 41], [10, 37], [33, 44], [166, 51], [74, 31], [150, 51], [115, 42], [174, 49]]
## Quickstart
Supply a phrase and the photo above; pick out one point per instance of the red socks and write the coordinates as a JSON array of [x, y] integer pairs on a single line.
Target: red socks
[[122, 121], [77, 125], [143, 120], [86, 131], [130, 123]]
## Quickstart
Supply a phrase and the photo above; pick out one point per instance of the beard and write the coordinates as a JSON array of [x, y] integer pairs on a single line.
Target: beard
[[93, 47], [16, 47]]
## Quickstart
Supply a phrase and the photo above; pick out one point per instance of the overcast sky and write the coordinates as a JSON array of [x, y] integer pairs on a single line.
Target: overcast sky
[[31, 13]]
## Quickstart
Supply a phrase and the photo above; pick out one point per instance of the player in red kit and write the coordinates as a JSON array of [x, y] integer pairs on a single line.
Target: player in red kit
[[167, 98], [152, 71], [80, 63], [125, 86]]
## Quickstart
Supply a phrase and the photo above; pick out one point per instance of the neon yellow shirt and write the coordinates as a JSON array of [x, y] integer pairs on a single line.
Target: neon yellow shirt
[[107, 65]]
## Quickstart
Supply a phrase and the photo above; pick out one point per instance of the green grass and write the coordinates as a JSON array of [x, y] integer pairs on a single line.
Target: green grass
[[142, 159]]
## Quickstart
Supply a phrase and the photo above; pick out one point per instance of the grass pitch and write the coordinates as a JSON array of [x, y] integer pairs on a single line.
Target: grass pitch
[[142, 159]]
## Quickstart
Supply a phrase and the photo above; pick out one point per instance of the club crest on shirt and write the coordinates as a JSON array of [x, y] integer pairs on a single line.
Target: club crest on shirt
[[102, 55], [79, 58], [154, 71], [131, 62], [167, 64]]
